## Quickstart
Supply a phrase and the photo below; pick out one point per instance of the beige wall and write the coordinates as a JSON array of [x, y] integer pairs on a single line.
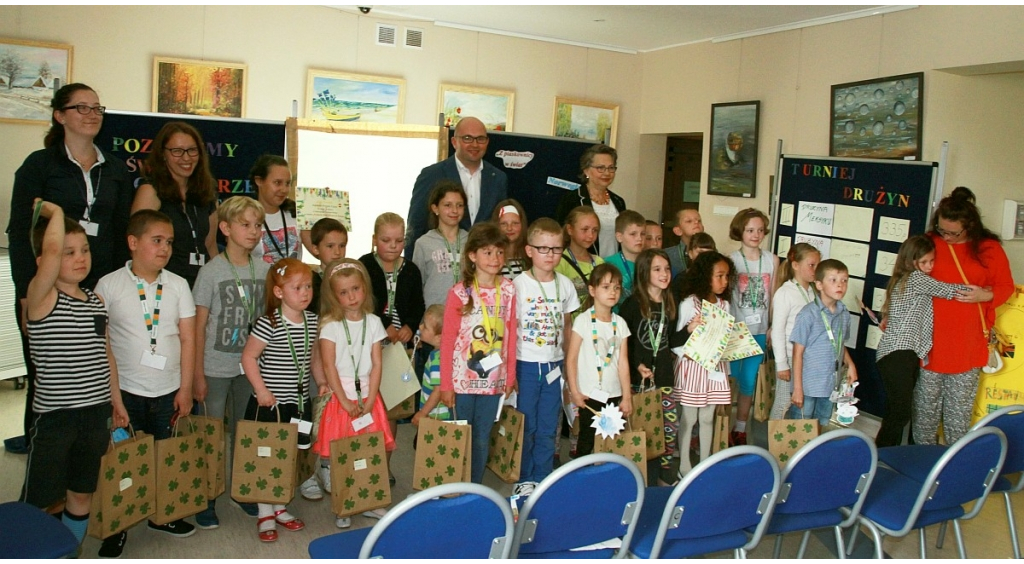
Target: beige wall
[[115, 46], [791, 74]]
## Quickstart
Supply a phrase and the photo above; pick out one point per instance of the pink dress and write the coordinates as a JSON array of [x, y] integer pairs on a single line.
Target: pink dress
[[336, 423], [693, 387]]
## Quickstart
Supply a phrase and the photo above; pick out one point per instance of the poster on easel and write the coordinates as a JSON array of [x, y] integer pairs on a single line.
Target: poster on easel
[[314, 204], [858, 211]]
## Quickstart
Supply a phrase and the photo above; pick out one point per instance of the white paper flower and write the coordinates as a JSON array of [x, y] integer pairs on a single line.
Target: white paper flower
[[609, 422]]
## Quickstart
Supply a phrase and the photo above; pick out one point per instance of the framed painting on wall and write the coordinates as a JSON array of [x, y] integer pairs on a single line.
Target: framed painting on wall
[[200, 88], [30, 72], [491, 106], [341, 96], [878, 118], [732, 161], [584, 119]]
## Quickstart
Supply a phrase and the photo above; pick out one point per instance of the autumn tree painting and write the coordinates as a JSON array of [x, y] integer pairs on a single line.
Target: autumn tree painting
[[199, 88]]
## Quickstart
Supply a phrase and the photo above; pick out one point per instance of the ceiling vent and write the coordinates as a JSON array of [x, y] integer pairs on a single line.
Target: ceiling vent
[[414, 38], [386, 34]]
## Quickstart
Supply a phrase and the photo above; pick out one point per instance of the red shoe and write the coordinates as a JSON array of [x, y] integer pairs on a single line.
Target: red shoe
[[266, 534], [737, 438], [293, 524]]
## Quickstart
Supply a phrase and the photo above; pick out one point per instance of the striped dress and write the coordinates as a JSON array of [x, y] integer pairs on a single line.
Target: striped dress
[[276, 364], [693, 388], [69, 349]]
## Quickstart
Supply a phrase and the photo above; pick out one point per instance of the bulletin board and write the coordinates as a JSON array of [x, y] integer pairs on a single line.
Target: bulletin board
[[858, 211]]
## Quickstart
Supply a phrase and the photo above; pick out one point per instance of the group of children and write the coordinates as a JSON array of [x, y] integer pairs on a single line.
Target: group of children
[[502, 307]]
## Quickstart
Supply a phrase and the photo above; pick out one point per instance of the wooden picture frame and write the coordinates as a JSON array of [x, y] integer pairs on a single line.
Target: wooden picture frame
[[197, 87], [30, 73], [585, 119], [732, 155], [494, 107], [880, 118], [349, 97]]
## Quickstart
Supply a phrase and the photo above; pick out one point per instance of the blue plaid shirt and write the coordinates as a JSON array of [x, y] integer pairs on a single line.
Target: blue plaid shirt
[[819, 353]]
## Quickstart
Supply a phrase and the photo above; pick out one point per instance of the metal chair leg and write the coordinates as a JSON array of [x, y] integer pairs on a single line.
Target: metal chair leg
[[921, 541], [778, 547], [1013, 526], [854, 531], [739, 553], [803, 544], [942, 534], [840, 548], [959, 540]]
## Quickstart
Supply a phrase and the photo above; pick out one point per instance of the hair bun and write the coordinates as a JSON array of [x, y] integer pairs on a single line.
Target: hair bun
[[963, 193]]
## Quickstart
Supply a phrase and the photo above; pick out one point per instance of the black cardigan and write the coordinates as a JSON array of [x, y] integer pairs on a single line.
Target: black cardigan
[[640, 350], [408, 292], [581, 197]]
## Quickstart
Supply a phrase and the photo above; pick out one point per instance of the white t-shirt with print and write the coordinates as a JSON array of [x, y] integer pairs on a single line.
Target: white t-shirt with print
[[587, 375], [541, 316]]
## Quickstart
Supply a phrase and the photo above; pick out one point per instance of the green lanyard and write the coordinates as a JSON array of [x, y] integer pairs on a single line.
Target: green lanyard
[[837, 343], [455, 256], [299, 366], [391, 284], [656, 341], [556, 316], [249, 303], [804, 294], [627, 274], [753, 295], [602, 363], [490, 331], [152, 322], [355, 363]]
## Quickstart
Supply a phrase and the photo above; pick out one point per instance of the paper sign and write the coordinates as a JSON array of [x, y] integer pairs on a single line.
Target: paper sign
[[851, 339], [314, 204], [784, 243], [853, 223], [786, 215], [263, 452], [878, 299], [124, 484], [554, 374], [360, 423], [490, 361], [854, 292], [598, 395], [884, 263], [359, 464], [893, 229], [815, 218], [873, 337], [823, 244], [708, 341], [853, 255]]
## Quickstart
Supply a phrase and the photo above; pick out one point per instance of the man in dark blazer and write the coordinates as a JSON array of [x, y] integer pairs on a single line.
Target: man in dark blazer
[[485, 185]]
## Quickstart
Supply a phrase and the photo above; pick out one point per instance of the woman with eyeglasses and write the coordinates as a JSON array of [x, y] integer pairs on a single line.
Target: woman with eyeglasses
[[179, 184], [90, 185], [965, 253], [597, 171]]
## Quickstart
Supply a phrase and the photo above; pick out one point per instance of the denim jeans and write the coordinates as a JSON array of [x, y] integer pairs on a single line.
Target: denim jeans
[[814, 408], [150, 415], [480, 411], [541, 404]]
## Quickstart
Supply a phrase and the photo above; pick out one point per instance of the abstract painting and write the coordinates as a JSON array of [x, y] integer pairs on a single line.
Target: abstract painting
[[878, 118]]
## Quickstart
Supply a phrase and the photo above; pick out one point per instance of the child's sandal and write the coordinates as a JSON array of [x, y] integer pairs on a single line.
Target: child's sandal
[[288, 521], [266, 528]]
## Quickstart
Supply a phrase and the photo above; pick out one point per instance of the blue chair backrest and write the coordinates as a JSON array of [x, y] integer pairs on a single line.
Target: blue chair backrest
[[830, 472], [581, 503], [457, 527], [724, 493], [967, 470], [1009, 420]]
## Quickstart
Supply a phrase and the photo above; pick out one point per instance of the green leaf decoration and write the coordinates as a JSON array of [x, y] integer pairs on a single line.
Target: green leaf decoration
[[428, 438], [375, 460], [620, 442], [379, 495], [210, 429], [355, 445], [458, 434], [424, 483], [115, 524], [142, 449], [200, 500], [350, 481], [456, 454], [778, 437], [246, 442], [504, 452], [363, 493], [638, 458], [343, 458], [129, 509], [276, 473], [200, 462], [261, 483], [374, 478], [172, 485], [429, 463], [144, 508], [349, 504], [116, 500], [262, 433], [122, 457], [450, 470], [443, 431], [636, 440], [278, 491], [249, 468], [169, 509], [200, 442], [183, 447], [109, 474], [282, 454], [441, 449], [282, 434], [197, 483], [438, 480], [185, 465], [808, 427], [141, 492], [209, 448], [790, 428], [244, 489], [183, 498], [373, 441], [514, 419], [783, 457], [169, 461]]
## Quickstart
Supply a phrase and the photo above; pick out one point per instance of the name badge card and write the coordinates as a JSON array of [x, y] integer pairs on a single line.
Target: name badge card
[[490, 361], [554, 375], [196, 259], [753, 319], [153, 360], [598, 395], [91, 229], [304, 426], [363, 422]]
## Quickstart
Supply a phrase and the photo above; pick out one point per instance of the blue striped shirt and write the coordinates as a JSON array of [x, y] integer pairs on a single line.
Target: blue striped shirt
[[819, 354]]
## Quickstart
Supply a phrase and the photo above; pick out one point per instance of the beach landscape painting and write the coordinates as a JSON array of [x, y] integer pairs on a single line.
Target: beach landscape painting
[[30, 71], [337, 96], [491, 106]]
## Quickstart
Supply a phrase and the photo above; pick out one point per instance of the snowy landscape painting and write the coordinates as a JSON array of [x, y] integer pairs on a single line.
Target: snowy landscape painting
[[30, 71]]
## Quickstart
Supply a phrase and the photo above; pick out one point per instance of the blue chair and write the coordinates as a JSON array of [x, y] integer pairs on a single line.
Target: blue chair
[[591, 499], [897, 504], [476, 524], [711, 509], [824, 485], [29, 532], [915, 461]]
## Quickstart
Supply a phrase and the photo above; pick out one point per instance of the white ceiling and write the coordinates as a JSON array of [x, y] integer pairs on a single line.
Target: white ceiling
[[626, 28]]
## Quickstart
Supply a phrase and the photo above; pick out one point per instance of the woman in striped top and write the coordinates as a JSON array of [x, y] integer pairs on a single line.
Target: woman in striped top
[[278, 360], [67, 331]]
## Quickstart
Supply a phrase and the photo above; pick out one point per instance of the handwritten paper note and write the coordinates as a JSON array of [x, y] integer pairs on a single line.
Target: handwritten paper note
[[873, 337], [893, 229], [815, 218], [878, 300], [853, 255], [786, 215], [785, 242], [314, 204], [854, 292], [741, 343], [853, 223], [707, 343], [823, 244], [884, 263]]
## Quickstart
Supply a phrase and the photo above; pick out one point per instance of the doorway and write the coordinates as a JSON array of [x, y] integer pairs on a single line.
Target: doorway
[[683, 161]]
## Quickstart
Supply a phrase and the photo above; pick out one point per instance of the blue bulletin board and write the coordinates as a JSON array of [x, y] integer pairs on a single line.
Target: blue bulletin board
[[858, 211]]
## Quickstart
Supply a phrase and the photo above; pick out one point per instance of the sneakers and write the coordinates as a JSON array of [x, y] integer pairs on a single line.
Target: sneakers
[[179, 528], [737, 438], [376, 513], [207, 518], [343, 522], [113, 546], [250, 509], [310, 489], [325, 479], [16, 445], [523, 489]]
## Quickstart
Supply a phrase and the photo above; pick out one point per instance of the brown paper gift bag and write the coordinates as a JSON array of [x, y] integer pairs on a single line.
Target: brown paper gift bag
[[263, 469], [180, 473], [444, 454], [786, 436], [764, 394], [404, 410], [720, 437], [505, 454], [359, 474], [319, 404], [126, 489], [647, 416], [631, 444], [214, 459]]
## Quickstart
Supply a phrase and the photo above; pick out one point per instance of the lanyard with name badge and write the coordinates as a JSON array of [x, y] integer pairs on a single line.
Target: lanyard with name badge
[[490, 331], [556, 316], [356, 363], [299, 366], [287, 247], [196, 258], [455, 256], [150, 358], [247, 303], [753, 296], [656, 340], [626, 272], [837, 343], [602, 363], [391, 284], [92, 229]]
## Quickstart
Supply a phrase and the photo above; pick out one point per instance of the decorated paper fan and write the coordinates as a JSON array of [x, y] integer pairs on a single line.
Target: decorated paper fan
[[609, 421]]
